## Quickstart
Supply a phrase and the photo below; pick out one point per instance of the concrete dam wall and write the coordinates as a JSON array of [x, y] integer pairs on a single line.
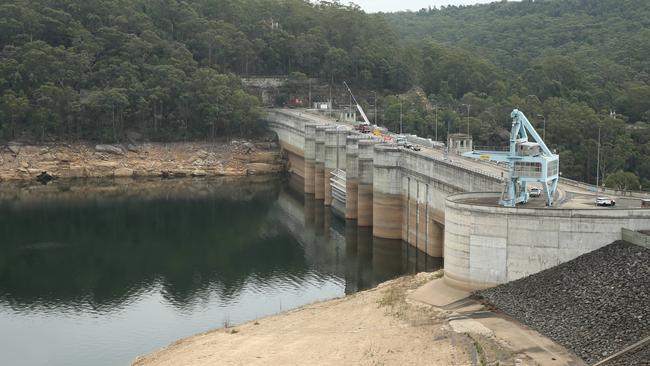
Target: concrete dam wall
[[429, 200]]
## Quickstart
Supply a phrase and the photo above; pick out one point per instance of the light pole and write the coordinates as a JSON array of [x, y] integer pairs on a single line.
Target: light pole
[[375, 107], [436, 108], [350, 106], [544, 133], [338, 142], [400, 114], [447, 144], [468, 106], [330, 100], [598, 162]]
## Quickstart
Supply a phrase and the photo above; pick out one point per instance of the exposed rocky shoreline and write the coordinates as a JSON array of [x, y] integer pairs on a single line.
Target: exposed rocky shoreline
[[169, 160], [85, 190]]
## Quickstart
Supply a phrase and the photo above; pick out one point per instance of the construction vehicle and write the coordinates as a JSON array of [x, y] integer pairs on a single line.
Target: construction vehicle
[[527, 161], [295, 103], [363, 127]]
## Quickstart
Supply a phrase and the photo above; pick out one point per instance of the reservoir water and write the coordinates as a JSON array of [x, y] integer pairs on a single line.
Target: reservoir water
[[97, 273]]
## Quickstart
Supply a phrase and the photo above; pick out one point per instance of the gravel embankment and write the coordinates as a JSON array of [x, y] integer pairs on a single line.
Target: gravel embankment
[[594, 305], [637, 357]]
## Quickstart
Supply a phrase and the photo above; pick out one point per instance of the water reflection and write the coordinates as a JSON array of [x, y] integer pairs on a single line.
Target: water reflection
[[351, 252], [110, 278]]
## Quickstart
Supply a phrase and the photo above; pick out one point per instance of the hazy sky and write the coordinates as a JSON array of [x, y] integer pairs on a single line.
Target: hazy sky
[[372, 6]]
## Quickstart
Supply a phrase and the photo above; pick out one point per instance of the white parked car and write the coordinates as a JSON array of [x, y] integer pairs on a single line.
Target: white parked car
[[401, 140], [605, 201], [535, 192]]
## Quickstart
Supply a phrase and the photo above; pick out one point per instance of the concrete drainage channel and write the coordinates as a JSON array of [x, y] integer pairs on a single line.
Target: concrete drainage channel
[[483, 329]]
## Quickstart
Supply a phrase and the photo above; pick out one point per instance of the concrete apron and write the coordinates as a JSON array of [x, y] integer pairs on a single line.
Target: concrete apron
[[466, 315]]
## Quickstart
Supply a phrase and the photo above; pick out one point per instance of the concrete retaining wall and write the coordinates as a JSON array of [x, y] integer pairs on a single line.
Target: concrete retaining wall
[[488, 245], [636, 237]]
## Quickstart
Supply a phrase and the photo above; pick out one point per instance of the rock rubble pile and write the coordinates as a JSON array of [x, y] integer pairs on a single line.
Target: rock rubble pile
[[594, 305]]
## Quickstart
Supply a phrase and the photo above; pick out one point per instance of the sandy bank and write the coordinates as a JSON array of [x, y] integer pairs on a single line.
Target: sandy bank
[[375, 327], [236, 158]]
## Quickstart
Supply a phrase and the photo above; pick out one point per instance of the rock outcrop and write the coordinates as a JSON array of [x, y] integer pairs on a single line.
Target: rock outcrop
[[173, 160], [111, 149]]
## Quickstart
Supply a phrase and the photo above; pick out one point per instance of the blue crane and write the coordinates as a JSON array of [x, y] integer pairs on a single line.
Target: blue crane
[[528, 162]]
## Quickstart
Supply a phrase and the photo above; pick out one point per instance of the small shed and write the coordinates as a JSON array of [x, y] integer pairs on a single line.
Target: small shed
[[460, 143]]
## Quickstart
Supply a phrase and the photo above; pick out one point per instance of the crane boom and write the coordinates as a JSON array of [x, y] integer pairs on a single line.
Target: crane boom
[[528, 162], [363, 114]]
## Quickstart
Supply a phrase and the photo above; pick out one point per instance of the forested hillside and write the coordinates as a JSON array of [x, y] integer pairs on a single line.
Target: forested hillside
[[95, 68], [170, 69], [568, 62]]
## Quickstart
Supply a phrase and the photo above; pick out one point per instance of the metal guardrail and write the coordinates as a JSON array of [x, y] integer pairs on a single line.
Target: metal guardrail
[[452, 163], [491, 148], [265, 76], [608, 191], [321, 119]]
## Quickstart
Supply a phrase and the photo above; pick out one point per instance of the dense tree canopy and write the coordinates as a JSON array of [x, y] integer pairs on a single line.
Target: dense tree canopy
[[573, 66], [94, 69], [171, 69]]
